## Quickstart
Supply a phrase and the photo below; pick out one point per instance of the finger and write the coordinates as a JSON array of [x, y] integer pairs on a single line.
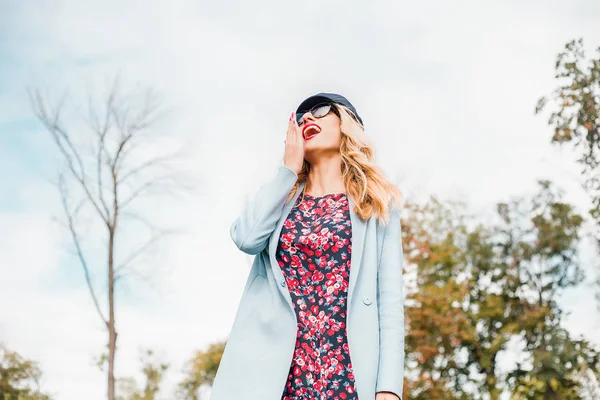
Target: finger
[[297, 130], [291, 125], [292, 130]]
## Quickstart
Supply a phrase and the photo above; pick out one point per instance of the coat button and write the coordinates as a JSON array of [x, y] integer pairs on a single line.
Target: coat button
[[367, 300], [282, 283]]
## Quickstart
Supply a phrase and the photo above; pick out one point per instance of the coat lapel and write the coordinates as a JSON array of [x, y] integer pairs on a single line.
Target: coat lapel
[[274, 241], [358, 241]]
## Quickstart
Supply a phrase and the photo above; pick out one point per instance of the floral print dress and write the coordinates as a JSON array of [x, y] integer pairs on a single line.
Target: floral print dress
[[314, 255]]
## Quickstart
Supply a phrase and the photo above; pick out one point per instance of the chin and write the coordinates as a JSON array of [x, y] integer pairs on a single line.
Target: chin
[[312, 144], [320, 147]]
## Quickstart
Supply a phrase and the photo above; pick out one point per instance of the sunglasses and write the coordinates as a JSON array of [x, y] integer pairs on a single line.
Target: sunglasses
[[318, 111]]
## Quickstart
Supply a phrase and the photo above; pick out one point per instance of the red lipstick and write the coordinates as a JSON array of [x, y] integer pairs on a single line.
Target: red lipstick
[[310, 131]]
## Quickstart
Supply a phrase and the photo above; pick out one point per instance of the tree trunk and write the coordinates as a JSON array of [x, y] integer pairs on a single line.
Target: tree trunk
[[492, 387], [550, 394], [112, 334]]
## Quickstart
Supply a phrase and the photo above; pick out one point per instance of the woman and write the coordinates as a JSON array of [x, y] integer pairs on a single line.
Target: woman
[[321, 316]]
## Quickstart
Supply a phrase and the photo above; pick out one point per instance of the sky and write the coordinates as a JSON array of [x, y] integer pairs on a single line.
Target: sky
[[447, 91]]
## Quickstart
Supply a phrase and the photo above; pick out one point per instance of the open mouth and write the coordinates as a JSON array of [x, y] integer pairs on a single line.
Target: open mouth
[[310, 131]]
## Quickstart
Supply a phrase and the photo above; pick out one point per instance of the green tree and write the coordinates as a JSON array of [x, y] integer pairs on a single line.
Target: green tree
[[575, 114], [153, 371], [560, 367], [481, 285], [19, 377], [434, 240], [201, 370], [548, 264], [575, 117]]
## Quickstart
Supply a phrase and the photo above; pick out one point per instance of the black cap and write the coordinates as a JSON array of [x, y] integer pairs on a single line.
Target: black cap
[[312, 101]]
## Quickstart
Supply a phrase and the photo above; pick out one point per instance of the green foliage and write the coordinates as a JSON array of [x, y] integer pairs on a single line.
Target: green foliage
[[201, 370], [480, 286], [559, 363], [19, 378], [153, 371], [575, 115]]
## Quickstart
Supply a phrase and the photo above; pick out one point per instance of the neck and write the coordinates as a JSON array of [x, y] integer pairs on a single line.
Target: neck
[[325, 176]]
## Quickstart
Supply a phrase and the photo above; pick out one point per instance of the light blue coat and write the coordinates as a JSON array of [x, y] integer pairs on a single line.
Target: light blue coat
[[259, 350]]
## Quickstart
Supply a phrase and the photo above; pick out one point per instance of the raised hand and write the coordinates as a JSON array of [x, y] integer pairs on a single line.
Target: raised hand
[[293, 156]]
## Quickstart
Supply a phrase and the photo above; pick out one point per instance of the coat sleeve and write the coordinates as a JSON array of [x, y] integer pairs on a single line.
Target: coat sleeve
[[252, 229], [390, 295]]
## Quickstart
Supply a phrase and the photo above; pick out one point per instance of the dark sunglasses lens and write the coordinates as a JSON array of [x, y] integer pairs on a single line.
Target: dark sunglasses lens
[[321, 110], [299, 117]]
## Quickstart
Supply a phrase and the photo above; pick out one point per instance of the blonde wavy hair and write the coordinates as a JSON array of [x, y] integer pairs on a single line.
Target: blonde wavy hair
[[364, 181]]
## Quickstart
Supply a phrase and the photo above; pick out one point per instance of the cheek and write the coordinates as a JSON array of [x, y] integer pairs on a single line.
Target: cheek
[[332, 130], [336, 137]]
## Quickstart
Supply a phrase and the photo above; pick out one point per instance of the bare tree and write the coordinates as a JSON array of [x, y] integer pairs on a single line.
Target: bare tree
[[110, 162]]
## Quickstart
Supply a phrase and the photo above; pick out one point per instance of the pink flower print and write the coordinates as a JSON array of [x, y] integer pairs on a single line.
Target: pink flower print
[[318, 276], [293, 283], [296, 261]]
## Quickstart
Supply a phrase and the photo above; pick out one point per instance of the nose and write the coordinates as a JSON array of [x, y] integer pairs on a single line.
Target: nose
[[306, 117]]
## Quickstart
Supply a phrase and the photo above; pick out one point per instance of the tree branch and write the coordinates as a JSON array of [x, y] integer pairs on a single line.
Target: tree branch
[[76, 241]]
